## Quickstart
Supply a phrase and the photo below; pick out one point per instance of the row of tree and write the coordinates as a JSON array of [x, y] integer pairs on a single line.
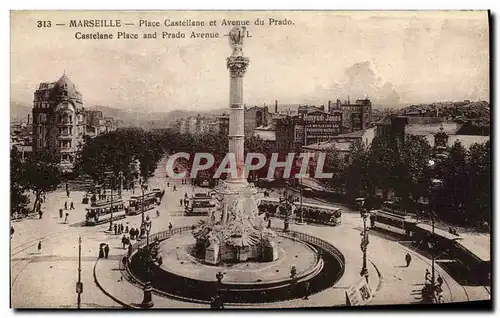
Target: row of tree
[[402, 167], [38, 174], [117, 151]]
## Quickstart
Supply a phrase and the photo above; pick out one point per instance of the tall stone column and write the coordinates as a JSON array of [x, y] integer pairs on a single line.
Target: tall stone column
[[237, 65]]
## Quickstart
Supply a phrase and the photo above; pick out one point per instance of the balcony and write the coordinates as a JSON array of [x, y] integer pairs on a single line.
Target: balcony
[[67, 150], [65, 123], [65, 137]]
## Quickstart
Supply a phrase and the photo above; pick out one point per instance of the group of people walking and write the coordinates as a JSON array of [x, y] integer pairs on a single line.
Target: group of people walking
[[103, 250], [436, 290], [120, 228]]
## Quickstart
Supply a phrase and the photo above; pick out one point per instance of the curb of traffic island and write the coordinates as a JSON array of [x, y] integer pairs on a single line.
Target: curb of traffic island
[[125, 305], [380, 277]]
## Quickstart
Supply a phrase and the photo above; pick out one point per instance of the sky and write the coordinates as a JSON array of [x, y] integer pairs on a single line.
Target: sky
[[393, 58]]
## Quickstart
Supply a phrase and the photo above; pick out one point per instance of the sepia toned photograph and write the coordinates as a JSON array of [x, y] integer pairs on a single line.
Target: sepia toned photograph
[[250, 159]]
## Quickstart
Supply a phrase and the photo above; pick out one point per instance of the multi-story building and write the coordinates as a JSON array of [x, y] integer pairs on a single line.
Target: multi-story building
[[255, 116], [314, 125], [357, 116], [58, 120], [223, 121]]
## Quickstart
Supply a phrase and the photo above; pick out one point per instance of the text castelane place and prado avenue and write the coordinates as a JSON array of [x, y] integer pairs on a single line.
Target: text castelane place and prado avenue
[[335, 174]]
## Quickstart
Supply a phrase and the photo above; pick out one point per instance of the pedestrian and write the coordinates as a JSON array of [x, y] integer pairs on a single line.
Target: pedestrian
[[440, 280], [132, 232], [126, 229], [157, 213], [60, 213], [115, 228], [101, 251], [427, 275], [408, 259], [40, 213], [72, 206], [307, 290], [168, 184], [39, 246], [185, 195], [175, 188], [124, 261], [106, 251], [66, 218], [170, 226], [181, 201], [124, 241], [67, 193], [65, 205]]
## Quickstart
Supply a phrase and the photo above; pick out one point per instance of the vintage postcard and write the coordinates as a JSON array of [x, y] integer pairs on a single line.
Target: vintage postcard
[[250, 159]]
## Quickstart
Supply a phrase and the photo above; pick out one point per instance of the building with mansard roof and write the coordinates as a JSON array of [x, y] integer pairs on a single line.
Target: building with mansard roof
[[60, 121]]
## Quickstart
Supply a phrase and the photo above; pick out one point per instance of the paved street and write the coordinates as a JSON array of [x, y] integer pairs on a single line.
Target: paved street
[[47, 279]]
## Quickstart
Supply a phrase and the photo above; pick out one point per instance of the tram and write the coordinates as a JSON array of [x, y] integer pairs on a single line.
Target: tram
[[199, 204], [391, 218], [100, 212], [149, 200], [313, 213]]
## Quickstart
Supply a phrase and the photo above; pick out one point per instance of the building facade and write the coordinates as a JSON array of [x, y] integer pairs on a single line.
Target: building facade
[[58, 120], [357, 116], [255, 116], [315, 125]]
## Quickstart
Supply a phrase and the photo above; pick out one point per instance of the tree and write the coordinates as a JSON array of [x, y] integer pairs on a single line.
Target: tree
[[450, 202], [479, 186], [42, 174], [356, 172], [384, 163], [335, 164], [18, 199], [411, 176]]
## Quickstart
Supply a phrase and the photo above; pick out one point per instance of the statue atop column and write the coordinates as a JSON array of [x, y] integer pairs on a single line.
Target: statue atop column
[[237, 64], [236, 231]]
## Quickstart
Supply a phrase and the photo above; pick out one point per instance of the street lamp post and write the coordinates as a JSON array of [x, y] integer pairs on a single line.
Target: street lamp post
[[120, 178], [287, 202], [143, 230], [147, 301], [110, 177], [435, 185], [301, 210], [79, 285], [364, 236]]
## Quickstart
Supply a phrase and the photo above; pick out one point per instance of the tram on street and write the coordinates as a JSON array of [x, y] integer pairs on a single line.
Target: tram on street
[[149, 200], [391, 218], [312, 213], [316, 213], [100, 212], [199, 204]]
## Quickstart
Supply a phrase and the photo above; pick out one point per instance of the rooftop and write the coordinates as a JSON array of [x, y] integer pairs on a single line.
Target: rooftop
[[449, 128], [325, 145], [465, 140]]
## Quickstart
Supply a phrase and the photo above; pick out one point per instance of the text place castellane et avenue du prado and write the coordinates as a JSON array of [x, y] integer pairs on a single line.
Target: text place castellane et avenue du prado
[[163, 24]]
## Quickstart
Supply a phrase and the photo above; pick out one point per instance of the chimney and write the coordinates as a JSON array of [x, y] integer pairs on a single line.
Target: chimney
[[348, 100], [338, 103], [276, 106], [329, 106], [28, 119]]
